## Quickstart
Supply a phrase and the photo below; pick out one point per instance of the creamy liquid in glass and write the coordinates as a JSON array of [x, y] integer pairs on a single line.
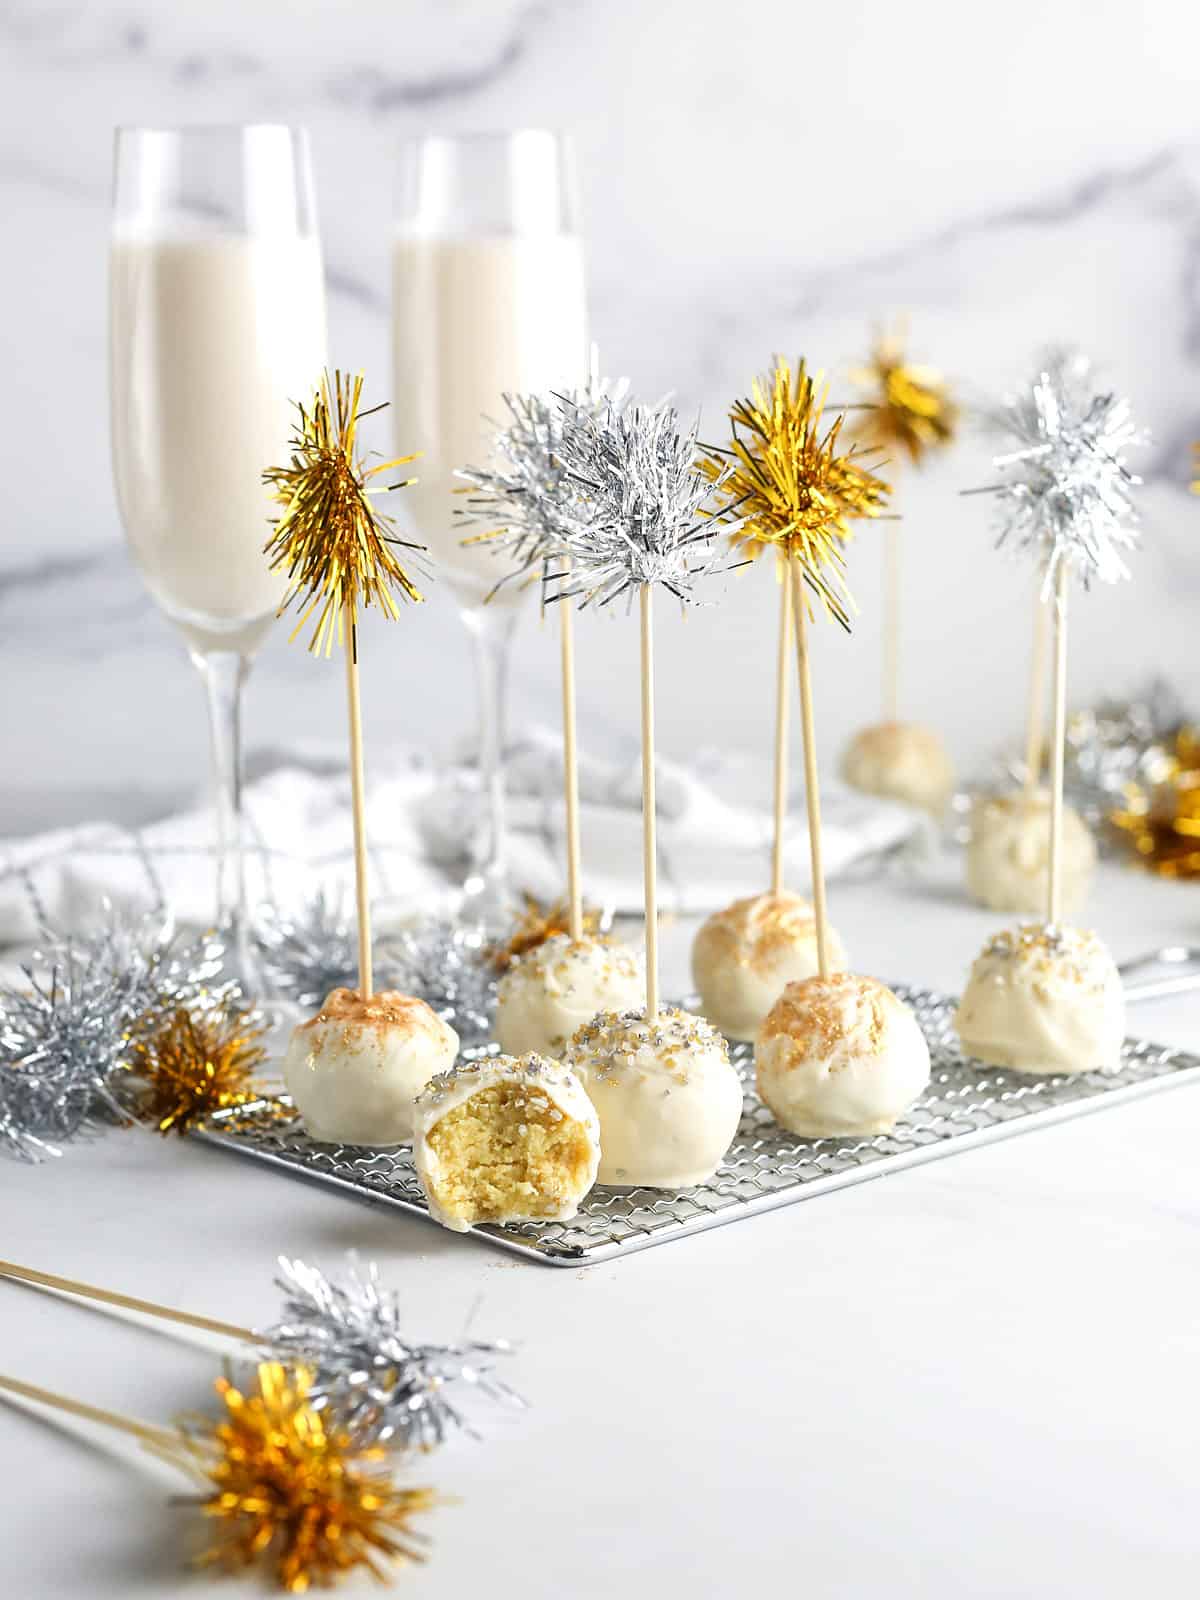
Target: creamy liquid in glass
[[213, 342], [475, 318]]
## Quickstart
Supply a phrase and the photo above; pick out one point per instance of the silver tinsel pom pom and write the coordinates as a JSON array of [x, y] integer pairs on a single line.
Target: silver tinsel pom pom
[[382, 1388], [632, 515], [1066, 491], [65, 1033], [307, 953], [525, 495], [447, 965]]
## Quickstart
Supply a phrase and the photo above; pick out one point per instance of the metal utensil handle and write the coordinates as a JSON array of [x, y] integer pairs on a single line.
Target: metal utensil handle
[[1153, 988]]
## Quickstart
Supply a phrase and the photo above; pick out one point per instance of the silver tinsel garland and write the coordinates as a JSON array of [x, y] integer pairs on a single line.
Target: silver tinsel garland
[[1065, 490], [66, 1031], [309, 952], [382, 1388], [447, 964], [1108, 747]]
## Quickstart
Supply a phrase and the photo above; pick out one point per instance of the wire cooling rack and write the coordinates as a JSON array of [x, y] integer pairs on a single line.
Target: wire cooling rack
[[967, 1104]]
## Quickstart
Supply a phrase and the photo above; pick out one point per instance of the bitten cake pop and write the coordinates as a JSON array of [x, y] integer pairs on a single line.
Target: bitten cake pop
[[552, 990], [840, 1057], [505, 1140], [666, 1094], [900, 761], [355, 1069], [1044, 1000], [1008, 853], [743, 958]]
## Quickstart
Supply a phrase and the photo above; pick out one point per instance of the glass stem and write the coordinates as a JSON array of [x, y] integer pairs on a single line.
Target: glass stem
[[492, 631], [224, 672]]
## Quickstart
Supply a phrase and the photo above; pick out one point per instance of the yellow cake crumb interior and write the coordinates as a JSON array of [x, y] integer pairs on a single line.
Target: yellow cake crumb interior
[[508, 1151]]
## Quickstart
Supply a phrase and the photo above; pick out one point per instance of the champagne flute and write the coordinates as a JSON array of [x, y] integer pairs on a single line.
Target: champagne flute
[[487, 299], [217, 328]]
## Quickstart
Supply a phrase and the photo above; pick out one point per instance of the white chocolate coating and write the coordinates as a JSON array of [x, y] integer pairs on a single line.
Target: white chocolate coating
[[546, 997], [1008, 851], [840, 1057], [1044, 1000], [902, 761], [557, 1083], [668, 1098], [355, 1069], [745, 956]]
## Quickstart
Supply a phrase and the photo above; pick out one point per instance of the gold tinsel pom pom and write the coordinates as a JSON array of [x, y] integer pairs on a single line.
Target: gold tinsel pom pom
[[284, 1488], [794, 485], [535, 924], [1196, 468], [197, 1063], [335, 546], [1162, 821], [911, 407]]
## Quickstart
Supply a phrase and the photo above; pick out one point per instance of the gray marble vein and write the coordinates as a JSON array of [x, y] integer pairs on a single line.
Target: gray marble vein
[[724, 221]]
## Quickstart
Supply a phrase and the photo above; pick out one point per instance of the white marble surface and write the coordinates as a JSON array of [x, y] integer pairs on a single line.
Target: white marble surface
[[778, 178], [976, 1377]]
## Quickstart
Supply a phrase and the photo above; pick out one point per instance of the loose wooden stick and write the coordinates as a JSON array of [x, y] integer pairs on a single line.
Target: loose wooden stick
[[1036, 711], [1058, 729], [782, 686], [891, 623], [571, 771], [649, 831], [812, 791], [157, 1438], [366, 982], [149, 1308]]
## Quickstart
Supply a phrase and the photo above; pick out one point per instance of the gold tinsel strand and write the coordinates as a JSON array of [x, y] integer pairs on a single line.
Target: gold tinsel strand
[[1196, 468], [1162, 821], [793, 483], [333, 543], [911, 407], [285, 1489], [196, 1064], [535, 924]]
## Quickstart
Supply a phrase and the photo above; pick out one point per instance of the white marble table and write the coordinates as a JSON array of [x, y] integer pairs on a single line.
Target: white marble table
[[977, 1377]]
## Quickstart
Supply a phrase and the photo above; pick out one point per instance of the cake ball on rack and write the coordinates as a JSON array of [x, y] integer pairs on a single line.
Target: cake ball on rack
[[743, 958], [902, 761], [668, 1098], [553, 989], [355, 1069], [1044, 999], [1008, 852], [840, 1057], [505, 1139]]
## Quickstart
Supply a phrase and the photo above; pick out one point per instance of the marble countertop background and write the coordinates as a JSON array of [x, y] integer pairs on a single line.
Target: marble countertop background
[[772, 178]]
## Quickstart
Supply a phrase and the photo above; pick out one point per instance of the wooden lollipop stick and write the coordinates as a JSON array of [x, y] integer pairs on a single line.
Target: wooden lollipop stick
[[157, 1438], [149, 1308], [571, 772], [1058, 731], [1035, 714], [649, 831], [812, 791], [782, 686], [366, 984], [891, 623]]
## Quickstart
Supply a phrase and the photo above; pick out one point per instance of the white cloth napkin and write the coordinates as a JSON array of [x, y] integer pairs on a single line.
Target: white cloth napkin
[[713, 846]]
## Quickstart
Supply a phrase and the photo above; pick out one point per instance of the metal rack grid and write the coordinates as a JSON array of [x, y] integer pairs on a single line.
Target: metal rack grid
[[966, 1104]]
